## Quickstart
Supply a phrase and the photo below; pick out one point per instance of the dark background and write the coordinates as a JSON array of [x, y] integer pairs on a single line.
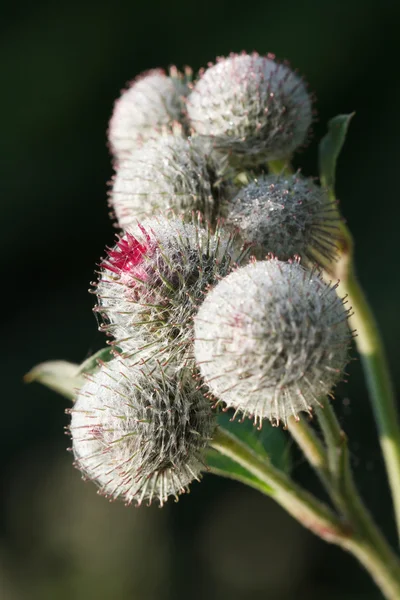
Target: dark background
[[62, 66]]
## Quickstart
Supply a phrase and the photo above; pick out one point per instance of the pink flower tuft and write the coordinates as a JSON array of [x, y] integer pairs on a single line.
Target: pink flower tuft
[[127, 256], [152, 282]]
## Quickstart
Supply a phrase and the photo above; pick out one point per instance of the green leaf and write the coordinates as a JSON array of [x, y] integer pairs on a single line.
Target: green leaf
[[91, 364], [58, 375], [269, 443], [64, 377], [330, 147], [226, 467], [280, 167]]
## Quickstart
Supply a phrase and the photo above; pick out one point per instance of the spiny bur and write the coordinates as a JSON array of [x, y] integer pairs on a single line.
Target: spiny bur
[[167, 173], [271, 339], [140, 434], [152, 282], [252, 107], [286, 215], [151, 103]]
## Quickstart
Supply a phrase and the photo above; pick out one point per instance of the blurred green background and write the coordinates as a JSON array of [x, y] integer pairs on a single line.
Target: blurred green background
[[62, 65]]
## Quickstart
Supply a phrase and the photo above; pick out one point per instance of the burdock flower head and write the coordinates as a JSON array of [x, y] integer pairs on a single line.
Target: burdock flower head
[[271, 339], [286, 215], [167, 173], [251, 107], [153, 280], [140, 434], [151, 103]]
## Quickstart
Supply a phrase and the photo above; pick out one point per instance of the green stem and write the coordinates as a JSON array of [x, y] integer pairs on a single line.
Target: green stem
[[320, 458], [334, 437], [366, 545], [311, 446], [384, 569], [313, 514], [379, 383], [343, 486], [342, 483]]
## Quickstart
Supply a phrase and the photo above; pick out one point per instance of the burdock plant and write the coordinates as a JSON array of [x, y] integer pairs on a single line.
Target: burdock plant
[[237, 292]]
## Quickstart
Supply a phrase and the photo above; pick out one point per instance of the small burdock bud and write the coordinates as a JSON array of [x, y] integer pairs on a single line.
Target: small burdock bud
[[271, 339], [252, 107], [169, 172], [153, 280], [152, 102], [286, 216], [140, 434]]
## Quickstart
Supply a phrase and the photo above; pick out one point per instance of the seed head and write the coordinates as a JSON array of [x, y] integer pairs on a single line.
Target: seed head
[[151, 103], [252, 107], [167, 173], [286, 216], [140, 434], [271, 339], [152, 282]]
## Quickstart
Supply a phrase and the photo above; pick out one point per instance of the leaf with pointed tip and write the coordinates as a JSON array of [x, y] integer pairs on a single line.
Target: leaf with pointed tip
[[330, 147], [58, 375], [64, 377]]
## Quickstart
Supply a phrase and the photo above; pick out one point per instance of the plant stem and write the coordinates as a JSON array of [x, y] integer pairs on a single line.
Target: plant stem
[[379, 383], [384, 569], [311, 447], [320, 458], [335, 438], [344, 487], [342, 482], [312, 513], [374, 361], [365, 542]]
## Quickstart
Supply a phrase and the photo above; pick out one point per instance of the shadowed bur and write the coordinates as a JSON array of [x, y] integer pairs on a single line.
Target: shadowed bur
[[140, 434], [271, 339], [251, 107], [152, 283], [286, 216]]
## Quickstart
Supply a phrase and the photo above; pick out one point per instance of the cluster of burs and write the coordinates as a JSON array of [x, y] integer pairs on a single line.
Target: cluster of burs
[[211, 296]]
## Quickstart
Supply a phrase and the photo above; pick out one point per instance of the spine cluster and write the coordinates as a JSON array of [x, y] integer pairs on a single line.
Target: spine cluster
[[272, 340], [192, 322], [152, 103], [140, 434], [251, 107], [287, 216], [152, 282], [166, 173]]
